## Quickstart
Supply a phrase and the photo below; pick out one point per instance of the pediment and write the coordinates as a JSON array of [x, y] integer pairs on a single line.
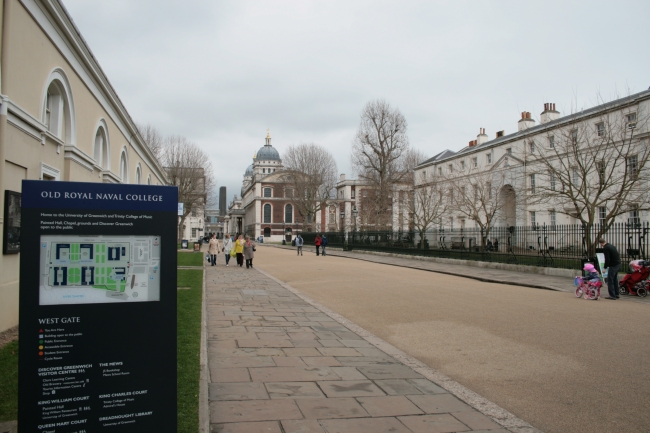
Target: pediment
[[507, 160]]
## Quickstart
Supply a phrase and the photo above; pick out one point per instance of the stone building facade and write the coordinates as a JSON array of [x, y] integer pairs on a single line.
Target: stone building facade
[[60, 118]]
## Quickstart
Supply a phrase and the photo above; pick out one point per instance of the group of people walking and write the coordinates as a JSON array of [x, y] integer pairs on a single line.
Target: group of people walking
[[242, 248], [319, 242]]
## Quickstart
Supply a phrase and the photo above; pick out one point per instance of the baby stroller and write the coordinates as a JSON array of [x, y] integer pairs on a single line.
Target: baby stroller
[[636, 283]]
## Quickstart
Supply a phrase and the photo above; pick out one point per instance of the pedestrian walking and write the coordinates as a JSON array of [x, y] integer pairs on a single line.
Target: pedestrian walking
[[323, 243], [227, 246], [239, 250], [213, 249], [613, 265], [299, 244], [317, 242], [249, 252]]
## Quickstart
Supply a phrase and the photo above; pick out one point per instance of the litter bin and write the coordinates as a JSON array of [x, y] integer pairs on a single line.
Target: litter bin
[[293, 243], [284, 241], [197, 246], [184, 244]]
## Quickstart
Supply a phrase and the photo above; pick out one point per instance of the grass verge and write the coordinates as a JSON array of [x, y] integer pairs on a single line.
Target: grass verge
[[9, 382], [190, 259], [189, 346]]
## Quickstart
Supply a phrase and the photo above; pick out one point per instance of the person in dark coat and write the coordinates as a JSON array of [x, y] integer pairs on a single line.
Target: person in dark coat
[[323, 243], [613, 265]]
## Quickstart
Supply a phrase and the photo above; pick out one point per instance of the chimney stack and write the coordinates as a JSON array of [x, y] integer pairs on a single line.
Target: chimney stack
[[549, 114], [500, 133], [481, 137], [525, 122], [342, 177]]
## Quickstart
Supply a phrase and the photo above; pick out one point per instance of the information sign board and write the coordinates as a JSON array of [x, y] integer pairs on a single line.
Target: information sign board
[[97, 350]]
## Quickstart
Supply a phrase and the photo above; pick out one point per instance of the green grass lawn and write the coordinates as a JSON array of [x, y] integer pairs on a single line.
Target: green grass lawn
[[190, 259], [9, 382], [189, 343]]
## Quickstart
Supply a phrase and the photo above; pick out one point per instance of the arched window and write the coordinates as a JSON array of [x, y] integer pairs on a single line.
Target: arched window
[[124, 168], [138, 175], [268, 192], [58, 108], [267, 232], [149, 180], [267, 213], [288, 214], [101, 151]]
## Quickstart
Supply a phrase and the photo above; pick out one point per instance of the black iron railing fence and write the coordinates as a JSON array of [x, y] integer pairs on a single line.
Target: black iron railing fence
[[559, 246]]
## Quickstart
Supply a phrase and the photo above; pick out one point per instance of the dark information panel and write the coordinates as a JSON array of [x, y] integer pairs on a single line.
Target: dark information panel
[[97, 308]]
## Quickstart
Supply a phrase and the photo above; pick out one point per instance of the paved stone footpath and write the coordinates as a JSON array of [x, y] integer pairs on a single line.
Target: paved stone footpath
[[279, 364]]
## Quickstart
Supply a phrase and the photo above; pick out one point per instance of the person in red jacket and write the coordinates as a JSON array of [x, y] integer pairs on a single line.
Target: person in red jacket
[[317, 242]]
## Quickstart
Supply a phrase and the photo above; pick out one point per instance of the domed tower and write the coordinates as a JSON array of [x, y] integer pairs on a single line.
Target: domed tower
[[267, 160]]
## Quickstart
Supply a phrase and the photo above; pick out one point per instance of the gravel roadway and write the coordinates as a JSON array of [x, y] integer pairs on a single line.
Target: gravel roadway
[[560, 363]]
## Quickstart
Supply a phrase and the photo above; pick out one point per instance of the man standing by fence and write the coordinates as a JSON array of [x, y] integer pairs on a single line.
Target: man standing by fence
[[612, 264], [323, 244], [299, 244]]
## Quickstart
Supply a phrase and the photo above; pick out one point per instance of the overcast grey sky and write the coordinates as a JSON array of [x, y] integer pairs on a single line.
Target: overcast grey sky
[[222, 72]]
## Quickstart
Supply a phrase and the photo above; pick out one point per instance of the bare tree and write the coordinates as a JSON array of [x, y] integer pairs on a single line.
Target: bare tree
[[152, 136], [427, 206], [311, 177], [593, 169], [188, 168], [378, 153], [476, 194]]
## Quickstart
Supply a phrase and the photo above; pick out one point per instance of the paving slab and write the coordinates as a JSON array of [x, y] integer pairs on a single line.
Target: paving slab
[[280, 363]]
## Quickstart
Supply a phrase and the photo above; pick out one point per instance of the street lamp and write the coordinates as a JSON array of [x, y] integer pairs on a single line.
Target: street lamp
[[355, 212]]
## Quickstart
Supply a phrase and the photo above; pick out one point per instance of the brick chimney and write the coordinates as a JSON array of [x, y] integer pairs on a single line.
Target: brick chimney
[[500, 133], [472, 143], [525, 122], [549, 113], [481, 137]]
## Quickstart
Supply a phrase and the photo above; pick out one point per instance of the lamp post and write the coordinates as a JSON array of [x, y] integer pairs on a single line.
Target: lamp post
[[355, 212]]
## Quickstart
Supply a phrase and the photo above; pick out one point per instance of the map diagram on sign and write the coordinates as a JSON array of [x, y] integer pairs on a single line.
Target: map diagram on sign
[[99, 269]]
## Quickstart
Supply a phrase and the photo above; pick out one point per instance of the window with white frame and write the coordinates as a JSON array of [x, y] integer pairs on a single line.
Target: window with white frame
[[633, 216], [488, 185], [575, 177], [574, 136], [630, 120], [267, 213], [288, 214], [440, 171], [531, 146], [101, 148], [602, 215], [450, 168], [489, 158], [352, 193], [124, 168], [268, 192], [532, 183], [462, 165], [632, 166], [600, 129], [193, 233], [533, 218], [138, 175], [551, 142], [149, 180], [553, 217], [551, 180], [475, 162]]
